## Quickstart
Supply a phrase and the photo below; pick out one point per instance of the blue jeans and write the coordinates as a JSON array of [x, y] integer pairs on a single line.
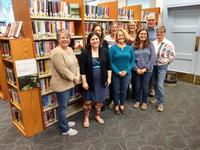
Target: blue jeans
[[142, 85], [159, 75], [62, 98], [120, 86]]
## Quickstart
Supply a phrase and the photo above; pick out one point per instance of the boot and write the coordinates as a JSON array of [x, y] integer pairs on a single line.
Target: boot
[[98, 113], [86, 109]]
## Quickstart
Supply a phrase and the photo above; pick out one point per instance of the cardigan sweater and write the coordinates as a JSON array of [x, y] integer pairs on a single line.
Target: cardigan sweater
[[87, 70], [165, 52], [64, 68], [122, 59]]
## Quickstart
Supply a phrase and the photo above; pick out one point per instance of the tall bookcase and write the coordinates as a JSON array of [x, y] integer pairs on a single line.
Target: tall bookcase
[[47, 98], [25, 104]]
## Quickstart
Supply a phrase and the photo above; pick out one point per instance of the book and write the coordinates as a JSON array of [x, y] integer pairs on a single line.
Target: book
[[18, 28], [15, 29]]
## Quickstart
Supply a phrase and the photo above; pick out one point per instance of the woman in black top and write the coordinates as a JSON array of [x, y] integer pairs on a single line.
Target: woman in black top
[[95, 69], [97, 28]]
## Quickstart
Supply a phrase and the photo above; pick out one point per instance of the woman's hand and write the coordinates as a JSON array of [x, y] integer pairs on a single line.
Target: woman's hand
[[77, 79], [122, 73], [138, 71], [143, 70], [108, 82], [85, 86]]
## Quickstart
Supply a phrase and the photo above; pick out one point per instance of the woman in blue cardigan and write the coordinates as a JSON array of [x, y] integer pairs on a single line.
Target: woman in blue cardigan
[[122, 61]]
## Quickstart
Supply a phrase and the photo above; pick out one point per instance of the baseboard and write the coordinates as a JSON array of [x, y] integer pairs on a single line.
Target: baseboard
[[190, 78], [197, 80]]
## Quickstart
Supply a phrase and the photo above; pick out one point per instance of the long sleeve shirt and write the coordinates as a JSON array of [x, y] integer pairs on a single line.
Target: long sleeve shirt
[[152, 33], [122, 59], [145, 58], [165, 52], [64, 69]]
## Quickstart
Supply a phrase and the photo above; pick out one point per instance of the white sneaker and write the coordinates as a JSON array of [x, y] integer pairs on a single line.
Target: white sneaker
[[71, 132], [71, 123], [160, 108]]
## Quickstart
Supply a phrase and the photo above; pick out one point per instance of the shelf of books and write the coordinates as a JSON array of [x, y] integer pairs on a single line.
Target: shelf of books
[[103, 14], [19, 77], [45, 19]]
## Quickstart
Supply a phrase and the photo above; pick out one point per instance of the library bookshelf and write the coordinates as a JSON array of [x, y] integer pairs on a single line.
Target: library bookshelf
[[43, 40], [25, 104]]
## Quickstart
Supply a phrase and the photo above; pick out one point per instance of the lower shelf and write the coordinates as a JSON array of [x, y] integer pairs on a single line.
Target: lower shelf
[[71, 110], [19, 126]]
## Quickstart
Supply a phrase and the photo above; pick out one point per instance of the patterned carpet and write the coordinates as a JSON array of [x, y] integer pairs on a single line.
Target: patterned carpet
[[177, 128]]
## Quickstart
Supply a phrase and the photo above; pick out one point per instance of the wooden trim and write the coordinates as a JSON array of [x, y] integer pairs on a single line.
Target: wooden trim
[[197, 80], [137, 9], [185, 77], [113, 6]]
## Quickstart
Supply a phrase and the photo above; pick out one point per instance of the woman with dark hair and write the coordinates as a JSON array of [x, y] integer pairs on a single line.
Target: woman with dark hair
[[144, 62], [97, 28], [95, 72]]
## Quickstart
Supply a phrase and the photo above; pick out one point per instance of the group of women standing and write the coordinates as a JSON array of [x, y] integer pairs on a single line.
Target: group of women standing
[[109, 61]]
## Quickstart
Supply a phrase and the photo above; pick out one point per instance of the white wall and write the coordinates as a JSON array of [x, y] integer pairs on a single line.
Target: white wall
[[174, 3]]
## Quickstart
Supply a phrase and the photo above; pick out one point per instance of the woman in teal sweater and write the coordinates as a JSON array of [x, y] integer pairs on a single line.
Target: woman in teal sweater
[[122, 61]]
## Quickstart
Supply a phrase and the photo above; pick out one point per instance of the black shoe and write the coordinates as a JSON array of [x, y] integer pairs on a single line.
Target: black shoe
[[116, 111], [122, 111], [103, 108]]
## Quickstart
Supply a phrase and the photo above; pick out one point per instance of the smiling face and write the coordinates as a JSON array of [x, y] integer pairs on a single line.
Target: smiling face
[[132, 27], [94, 41], [63, 40], [120, 37], [113, 28], [98, 30], [151, 21], [143, 35], [160, 33]]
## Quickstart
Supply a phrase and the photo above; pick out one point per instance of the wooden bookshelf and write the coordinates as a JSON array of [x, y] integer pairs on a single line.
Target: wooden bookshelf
[[27, 30], [137, 11], [29, 106], [113, 6]]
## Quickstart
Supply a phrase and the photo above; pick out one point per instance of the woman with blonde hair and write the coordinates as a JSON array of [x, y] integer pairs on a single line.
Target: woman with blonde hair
[[122, 61], [132, 32]]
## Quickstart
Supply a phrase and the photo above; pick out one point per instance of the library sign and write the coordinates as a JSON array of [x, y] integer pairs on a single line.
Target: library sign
[[27, 73]]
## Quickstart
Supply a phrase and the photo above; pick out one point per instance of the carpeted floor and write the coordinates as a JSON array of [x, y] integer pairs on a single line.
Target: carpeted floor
[[177, 128]]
